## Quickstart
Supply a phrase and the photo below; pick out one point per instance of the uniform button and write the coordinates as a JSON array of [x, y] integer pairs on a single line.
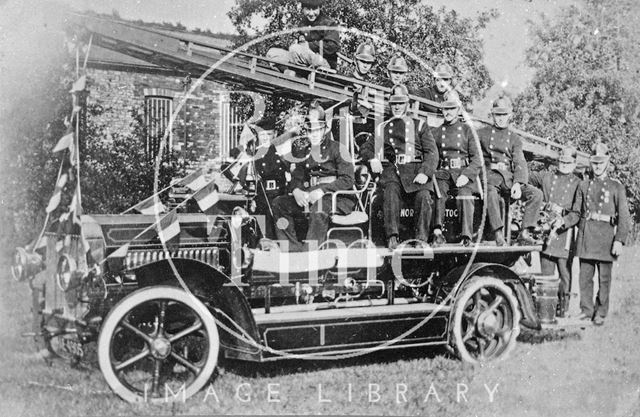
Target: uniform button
[[459, 128], [490, 146], [391, 124], [390, 130], [493, 131], [444, 152], [444, 128], [459, 135], [491, 137], [443, 136]]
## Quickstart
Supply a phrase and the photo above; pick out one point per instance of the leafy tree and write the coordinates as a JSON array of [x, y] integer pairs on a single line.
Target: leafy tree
[[586, 87], [433, 35]]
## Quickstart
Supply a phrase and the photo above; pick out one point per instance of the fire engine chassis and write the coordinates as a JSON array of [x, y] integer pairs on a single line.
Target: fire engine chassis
[[162, 316]]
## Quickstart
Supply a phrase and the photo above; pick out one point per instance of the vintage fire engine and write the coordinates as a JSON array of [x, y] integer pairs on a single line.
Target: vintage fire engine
[[161, 317]]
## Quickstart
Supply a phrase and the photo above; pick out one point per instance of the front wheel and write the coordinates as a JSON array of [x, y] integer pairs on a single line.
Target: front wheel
[[485, 320], [159, 344]]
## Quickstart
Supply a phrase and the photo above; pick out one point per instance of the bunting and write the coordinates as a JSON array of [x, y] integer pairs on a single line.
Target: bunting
[[169, 228], [66, 142], [57, 193], [207, 197], [150, 205], [193, 181]]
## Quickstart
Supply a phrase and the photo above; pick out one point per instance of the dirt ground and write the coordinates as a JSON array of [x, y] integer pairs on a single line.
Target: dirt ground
[[591, 372]]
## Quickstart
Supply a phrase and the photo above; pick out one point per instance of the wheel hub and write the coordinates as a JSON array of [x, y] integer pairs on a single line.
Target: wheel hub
[[488, 324], [160, 347]]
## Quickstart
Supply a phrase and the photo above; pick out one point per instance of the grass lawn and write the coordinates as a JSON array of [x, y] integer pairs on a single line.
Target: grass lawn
[[594, 372]]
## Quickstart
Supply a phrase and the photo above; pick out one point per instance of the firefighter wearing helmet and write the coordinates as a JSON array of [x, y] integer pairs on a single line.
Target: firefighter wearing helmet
[[404, 153], [316, 175], [442, 88], [507, 173], [459, 168], [559, 189], [397, 70], [600, 210], [364, 96]]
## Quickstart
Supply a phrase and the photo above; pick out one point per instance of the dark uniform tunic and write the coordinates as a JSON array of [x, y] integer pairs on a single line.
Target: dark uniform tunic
[[459, 155], [324, 168], [271, 171], [558, 189], [323, 42], [601, 212], [505, 165], [432, 94], [408, 148]]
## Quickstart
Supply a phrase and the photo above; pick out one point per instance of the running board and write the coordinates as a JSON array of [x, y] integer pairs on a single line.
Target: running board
[[346, 311]]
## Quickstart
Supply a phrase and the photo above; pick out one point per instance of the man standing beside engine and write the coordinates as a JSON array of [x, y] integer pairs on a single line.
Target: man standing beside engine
[[601, 212], [559, 190]]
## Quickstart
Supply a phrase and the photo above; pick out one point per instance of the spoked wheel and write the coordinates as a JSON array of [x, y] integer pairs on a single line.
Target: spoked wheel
[[485, 322], [159, 344]]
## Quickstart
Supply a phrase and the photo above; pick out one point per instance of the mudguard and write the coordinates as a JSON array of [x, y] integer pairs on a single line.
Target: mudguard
[[459, 277], [224, 298]]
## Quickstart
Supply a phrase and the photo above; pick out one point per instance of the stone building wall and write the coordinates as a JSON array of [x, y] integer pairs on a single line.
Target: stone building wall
[[196, 128]]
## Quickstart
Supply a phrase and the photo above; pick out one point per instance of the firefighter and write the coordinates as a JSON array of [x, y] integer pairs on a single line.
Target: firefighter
[[601, 212], [271, 172], [459, 167], [559, 190], [441, 89], [397, 70], [315, 48], [406, 161], [326, 168], [363, 96], [507, 173]]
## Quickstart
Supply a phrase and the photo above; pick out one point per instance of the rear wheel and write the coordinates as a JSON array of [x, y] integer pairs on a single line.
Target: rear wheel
[[159, 344], [485, 320]]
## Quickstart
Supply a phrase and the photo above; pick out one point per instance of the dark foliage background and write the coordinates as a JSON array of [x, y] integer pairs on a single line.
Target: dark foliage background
[[586, 86]]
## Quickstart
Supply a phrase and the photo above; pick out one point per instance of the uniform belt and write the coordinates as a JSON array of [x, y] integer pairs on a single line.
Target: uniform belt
[[453, 163], [555, 208], [322, 180], [271, 185], [600, 217], [402, 159], [500, 166]]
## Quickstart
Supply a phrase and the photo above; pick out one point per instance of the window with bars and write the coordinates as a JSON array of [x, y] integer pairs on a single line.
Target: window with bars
[[231, 124], [158, 106]]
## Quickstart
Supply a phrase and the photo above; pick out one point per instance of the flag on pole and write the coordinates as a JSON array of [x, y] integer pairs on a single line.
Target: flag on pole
[[79, 85], [65, 142], [150, 205], [169, 228], [193, 181], [207, 197]]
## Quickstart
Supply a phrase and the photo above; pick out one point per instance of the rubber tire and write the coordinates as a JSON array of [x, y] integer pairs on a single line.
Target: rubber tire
[[133, 300], [468, 290]]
